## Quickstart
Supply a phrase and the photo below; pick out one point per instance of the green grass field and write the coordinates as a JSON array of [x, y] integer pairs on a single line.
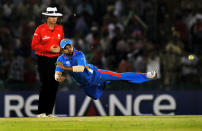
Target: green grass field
[[106, 123]]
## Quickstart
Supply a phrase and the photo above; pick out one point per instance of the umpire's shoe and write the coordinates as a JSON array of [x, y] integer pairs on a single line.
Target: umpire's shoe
[[41, 115]]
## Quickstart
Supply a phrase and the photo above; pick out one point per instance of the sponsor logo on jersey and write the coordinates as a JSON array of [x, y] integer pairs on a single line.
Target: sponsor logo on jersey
[[68, 63], [45, 37]]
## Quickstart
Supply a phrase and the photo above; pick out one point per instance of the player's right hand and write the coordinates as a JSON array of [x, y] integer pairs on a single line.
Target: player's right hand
[[78, 68], [55, 49], [60, 79]]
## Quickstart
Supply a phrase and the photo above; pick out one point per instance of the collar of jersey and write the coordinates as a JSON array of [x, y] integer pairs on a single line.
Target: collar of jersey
[[46, 25]]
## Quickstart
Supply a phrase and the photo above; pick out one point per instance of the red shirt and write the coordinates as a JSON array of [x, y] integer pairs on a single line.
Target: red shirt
[[44, 38]]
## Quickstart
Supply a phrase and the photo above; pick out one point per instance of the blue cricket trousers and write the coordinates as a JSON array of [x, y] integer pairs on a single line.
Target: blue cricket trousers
[[96, 87]]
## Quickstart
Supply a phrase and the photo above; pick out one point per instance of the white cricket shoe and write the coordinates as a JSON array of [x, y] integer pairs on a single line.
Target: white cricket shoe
[[41, 115], [51, 115], [151, 75]]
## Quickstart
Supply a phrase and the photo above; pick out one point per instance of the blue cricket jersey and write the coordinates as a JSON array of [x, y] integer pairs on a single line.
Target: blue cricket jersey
[[88, 80]]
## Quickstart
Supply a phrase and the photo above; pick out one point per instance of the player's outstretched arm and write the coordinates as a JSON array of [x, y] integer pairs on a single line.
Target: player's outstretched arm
[[73, 68]]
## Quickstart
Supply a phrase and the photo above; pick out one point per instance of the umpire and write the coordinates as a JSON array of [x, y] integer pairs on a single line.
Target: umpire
[[45, 43]]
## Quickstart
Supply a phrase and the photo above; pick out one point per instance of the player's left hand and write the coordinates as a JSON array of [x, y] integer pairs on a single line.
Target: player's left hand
[[78, 68]]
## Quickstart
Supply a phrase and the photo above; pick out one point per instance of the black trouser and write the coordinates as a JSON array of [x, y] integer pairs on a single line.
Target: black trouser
[[47, 95]]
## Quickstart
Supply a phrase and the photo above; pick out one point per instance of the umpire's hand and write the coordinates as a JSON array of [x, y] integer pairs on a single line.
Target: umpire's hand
[[55, 49]]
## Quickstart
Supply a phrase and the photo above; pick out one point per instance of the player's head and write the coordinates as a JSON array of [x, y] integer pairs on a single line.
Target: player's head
[[65, 42], [66, 46]]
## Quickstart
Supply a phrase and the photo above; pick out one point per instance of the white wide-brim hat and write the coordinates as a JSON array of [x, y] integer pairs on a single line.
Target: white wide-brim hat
[[51, 11]]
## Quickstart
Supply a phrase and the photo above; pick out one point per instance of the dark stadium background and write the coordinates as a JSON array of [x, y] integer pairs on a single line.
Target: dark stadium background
[[117, 35]]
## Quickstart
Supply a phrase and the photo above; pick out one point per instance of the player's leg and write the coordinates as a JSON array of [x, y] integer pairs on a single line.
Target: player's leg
[[102, 77], [109, 75], [134, 77], [129, 76]]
